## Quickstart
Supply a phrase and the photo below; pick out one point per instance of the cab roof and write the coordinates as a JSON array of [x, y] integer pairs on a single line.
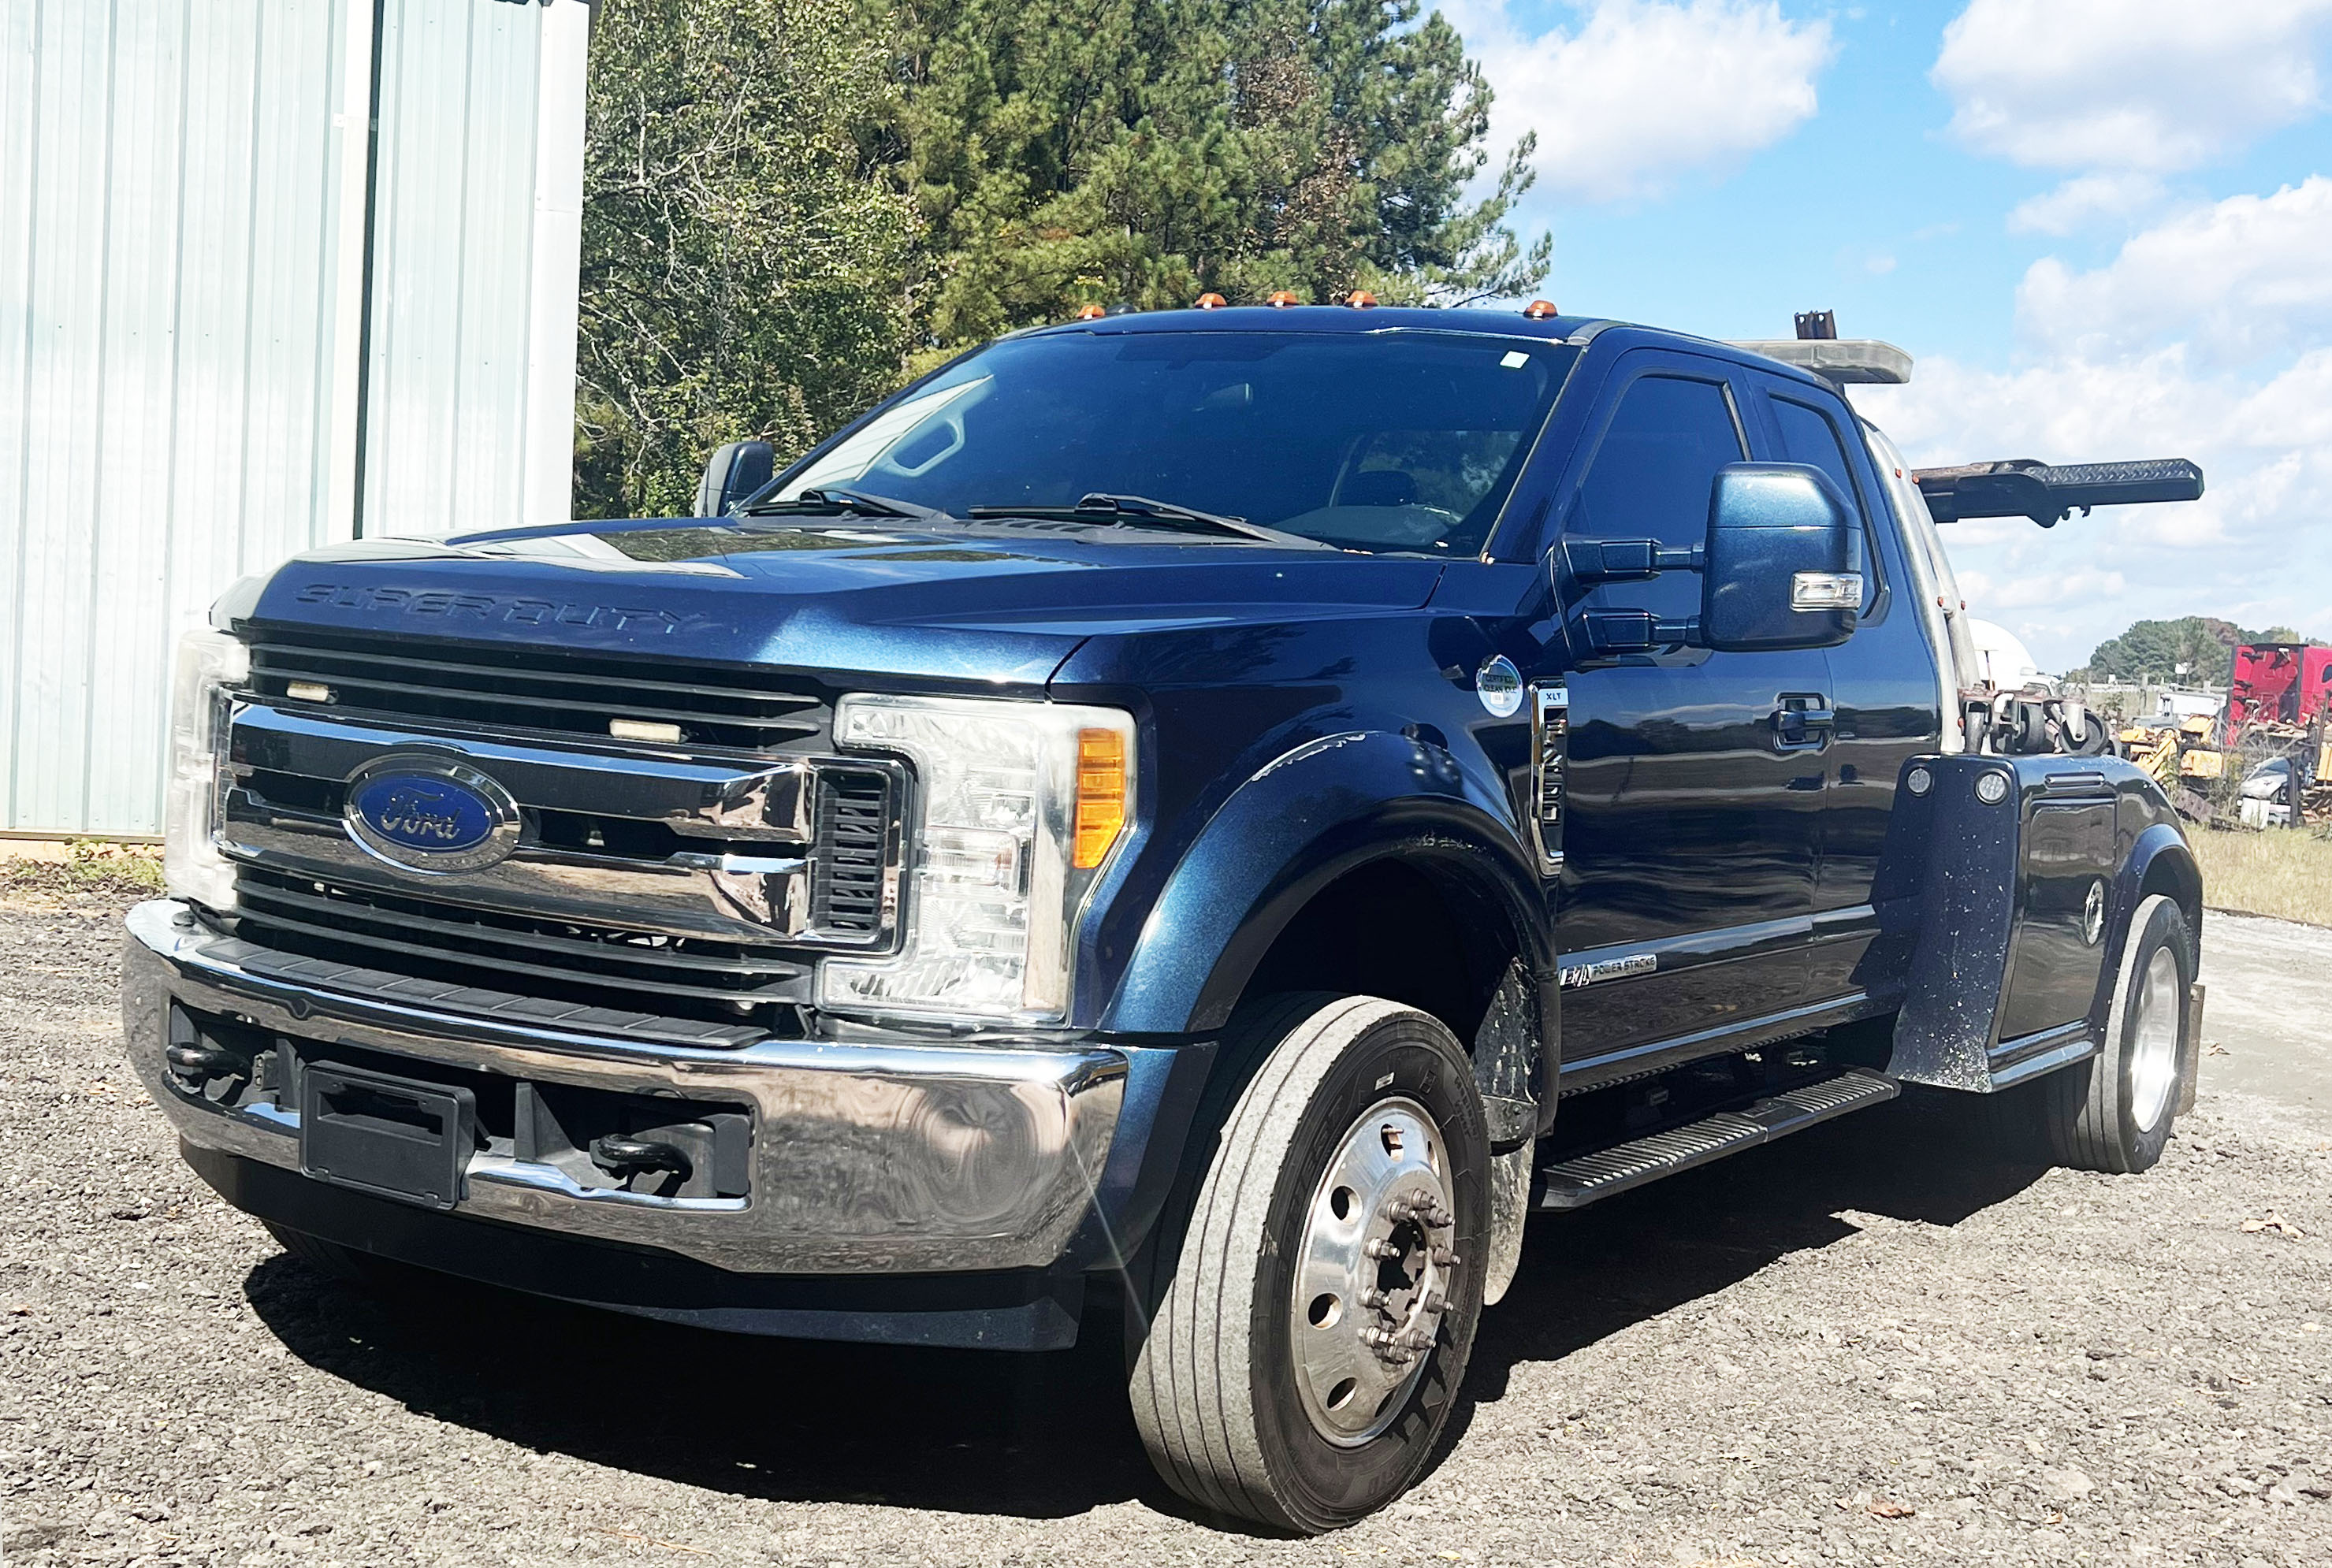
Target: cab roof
[[1506, 322]]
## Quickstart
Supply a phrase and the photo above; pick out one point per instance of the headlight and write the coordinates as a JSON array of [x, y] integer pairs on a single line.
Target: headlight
[[1019, 806], [210, 665]]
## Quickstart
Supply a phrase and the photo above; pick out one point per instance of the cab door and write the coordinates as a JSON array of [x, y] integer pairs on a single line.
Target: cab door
[[1693, 785], [1882, 683]]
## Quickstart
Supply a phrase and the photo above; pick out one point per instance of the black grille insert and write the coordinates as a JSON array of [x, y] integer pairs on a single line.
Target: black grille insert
[[722, 982], [539, 689], [848, 887]]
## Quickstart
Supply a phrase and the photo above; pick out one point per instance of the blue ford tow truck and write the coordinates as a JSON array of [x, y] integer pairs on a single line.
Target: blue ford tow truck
[[1192, 824]]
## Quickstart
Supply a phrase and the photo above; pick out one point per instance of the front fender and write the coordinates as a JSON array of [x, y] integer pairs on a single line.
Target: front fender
[[1300, 822]]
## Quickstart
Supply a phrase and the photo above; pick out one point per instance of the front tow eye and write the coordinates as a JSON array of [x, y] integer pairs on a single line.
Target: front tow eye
[[198, 1062], [621, 1156]]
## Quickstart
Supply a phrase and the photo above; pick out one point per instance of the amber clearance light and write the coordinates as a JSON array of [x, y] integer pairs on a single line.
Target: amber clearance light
[[1101, 795]]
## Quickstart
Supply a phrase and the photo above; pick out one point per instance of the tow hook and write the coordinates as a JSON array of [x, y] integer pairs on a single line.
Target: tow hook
[[621, 1156]]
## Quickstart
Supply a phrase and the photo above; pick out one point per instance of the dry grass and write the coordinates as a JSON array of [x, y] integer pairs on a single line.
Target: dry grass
[[89, 868], [2284, 872]]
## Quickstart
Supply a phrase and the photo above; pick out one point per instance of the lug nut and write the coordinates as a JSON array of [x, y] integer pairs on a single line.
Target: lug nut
[[1444, 1257], [1372, 1297], [1378, 1246], [1435, 1301]]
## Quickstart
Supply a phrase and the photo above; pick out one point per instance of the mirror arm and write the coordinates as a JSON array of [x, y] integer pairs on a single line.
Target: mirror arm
[[1594, 560], [1639, 631]]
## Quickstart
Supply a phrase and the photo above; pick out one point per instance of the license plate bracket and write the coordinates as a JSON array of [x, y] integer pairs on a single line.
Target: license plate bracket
[[392, 1137]]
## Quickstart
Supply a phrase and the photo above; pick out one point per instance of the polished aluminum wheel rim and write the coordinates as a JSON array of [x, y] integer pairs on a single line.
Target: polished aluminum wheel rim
[[2154, 1040], [1374, 1272]]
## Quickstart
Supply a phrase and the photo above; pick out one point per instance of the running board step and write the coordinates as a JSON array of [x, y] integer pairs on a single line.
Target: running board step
[[1576, 1182]]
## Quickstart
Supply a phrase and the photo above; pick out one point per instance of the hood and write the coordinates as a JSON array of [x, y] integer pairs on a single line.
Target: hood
[[986, 606]]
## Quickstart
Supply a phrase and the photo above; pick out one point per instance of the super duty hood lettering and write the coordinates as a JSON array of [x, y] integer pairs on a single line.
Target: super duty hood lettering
[[490, 608]]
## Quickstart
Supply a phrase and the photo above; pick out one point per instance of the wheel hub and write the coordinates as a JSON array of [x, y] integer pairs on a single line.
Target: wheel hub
[[1374, 1272], [2154, 1040]]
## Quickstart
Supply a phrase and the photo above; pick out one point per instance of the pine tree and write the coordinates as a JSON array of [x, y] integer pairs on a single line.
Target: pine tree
[[1070, 152]]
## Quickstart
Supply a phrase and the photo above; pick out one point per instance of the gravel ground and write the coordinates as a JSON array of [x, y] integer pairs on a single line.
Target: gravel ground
[[1856, 1346]]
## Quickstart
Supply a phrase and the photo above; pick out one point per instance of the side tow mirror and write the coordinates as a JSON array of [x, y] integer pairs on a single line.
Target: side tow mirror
[[1783, 568], [735, 471]]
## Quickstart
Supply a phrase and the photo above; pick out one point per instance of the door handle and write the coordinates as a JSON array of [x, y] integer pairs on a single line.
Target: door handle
[[1803, 722]]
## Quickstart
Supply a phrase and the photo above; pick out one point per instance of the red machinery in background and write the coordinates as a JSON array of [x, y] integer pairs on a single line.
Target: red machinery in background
[[2286, 682]]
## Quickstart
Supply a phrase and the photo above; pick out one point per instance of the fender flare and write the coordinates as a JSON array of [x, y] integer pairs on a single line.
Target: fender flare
[[1318, 811], [2161, 843]]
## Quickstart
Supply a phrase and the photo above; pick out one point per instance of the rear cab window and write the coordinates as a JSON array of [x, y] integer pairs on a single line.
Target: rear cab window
[[1809, 435]]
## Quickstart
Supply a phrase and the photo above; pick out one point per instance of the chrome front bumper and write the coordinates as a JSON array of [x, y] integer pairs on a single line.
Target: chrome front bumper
[[866, 1159]]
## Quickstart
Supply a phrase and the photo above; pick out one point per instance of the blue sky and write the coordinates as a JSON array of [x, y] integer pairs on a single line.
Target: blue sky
[[2103, 227]]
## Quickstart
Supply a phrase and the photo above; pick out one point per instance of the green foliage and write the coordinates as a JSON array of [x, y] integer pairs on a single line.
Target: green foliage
[[1073, 152], [2153, 650], [744, 252], [791, 206]]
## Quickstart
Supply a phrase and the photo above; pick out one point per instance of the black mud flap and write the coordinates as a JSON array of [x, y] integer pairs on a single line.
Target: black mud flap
[[2010, 864]]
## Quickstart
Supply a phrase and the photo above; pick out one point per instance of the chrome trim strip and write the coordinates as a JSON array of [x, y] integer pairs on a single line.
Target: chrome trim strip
[[763, 799], [870, 1158], [2043, 1051]]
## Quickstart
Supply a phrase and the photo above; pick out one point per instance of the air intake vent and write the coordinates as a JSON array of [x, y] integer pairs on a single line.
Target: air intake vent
[[851, 879], [537, 689], [563, 964]]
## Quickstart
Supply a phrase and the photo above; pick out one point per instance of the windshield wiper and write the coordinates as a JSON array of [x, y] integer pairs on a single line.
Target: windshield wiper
[[1141, 511], [832, 503]]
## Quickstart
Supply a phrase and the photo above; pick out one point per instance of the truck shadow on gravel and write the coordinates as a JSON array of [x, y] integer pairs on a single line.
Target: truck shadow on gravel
[[1048, 1435]]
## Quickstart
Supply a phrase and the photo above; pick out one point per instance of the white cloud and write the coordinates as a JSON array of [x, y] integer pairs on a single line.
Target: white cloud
[[2150, 86], [2205, 337], [1644, 92], [2241, 278], [2082, 201]]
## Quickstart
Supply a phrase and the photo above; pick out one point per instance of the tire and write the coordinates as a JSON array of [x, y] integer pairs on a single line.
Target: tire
[[1331, 1146], [2114, 1112]]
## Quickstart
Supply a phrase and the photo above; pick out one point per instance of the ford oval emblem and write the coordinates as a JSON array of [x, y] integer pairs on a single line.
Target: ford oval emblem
[[430, 814]]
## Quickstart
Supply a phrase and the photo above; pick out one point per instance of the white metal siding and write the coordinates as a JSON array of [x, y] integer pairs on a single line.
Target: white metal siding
[[479, 187], [452, 221], [181, 278], [168, 178]]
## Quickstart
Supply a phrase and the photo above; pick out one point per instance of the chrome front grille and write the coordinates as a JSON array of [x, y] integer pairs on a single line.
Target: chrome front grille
[[659, 883], [530, 688]]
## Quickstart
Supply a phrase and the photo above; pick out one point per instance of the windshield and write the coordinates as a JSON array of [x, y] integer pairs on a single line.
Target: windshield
[[1383, 441]]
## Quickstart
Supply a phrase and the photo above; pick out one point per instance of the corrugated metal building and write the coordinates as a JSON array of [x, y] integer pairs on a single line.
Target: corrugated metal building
[[272, 272]]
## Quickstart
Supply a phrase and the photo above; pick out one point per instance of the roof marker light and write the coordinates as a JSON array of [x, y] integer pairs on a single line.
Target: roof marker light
[[1360, 299], [1280, 298], [1090, 313], [1211, 300], [1540, 309]]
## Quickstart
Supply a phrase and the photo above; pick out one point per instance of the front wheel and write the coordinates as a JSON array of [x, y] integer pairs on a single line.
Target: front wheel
[[1311, 1326]]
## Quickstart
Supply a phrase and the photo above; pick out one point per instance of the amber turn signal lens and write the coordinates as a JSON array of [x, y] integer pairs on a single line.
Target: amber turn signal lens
[[1211, 302], [1101, 795], [1540, 309]]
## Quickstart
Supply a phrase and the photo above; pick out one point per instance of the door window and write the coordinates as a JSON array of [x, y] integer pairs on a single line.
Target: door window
[[1652, 476], [1807, 436]]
